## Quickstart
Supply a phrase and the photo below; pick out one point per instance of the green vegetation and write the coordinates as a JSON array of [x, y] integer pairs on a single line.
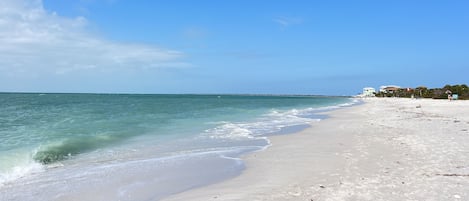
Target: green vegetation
[[423, 92]]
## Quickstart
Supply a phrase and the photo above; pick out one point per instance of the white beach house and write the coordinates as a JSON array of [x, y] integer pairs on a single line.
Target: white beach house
[[368, 92]]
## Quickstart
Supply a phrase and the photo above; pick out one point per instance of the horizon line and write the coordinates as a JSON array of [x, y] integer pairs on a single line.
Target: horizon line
[[129, 93]]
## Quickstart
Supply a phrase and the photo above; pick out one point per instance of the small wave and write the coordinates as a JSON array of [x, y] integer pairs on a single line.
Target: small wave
[[68, 148], [272, 122], [53, 154], [229, 130], [333, 107], [17, 165], [19, 172], [269, 123]]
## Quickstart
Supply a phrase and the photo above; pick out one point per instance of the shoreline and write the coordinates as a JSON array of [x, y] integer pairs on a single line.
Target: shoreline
[[384, 149], [149, 168]]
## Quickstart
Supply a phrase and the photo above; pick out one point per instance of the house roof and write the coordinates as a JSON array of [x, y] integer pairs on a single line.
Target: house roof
[[391, 88]]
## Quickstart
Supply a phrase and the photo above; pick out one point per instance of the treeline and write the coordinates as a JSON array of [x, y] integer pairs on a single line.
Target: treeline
[[423, 92]]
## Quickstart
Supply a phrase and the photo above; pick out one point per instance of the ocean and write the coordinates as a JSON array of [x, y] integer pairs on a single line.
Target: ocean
[[137, 147]]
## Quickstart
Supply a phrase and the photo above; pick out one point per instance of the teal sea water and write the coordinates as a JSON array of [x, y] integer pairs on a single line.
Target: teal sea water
[[49, 137]]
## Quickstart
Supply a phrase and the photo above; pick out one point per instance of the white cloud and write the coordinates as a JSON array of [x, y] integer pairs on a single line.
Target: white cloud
[[35, 41], [288, 21]]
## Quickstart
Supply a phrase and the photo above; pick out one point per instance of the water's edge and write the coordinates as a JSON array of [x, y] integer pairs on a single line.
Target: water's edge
[[204, 159], [289, 130]]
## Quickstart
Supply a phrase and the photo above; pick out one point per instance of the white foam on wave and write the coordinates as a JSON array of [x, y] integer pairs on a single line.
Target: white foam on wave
[[121, 179], [272, 122], [17, 165], [332, 107], [19, 172]]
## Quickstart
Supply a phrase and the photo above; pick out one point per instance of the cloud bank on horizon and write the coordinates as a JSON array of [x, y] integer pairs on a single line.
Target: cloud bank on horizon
[[34, 42]]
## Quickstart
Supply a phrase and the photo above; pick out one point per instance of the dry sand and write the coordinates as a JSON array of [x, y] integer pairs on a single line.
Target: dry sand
[[385, 149]]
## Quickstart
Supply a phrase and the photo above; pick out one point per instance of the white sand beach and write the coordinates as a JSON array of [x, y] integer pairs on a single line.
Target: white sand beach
[[385, 149]]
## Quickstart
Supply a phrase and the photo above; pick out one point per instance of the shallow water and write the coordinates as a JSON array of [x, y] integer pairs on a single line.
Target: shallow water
[[64, 142]]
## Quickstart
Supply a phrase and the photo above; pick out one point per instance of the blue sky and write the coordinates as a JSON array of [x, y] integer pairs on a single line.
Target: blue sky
[[243, 46]]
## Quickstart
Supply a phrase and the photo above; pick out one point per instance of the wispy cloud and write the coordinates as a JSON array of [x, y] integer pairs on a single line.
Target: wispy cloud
[[288, 21], [33, 40]]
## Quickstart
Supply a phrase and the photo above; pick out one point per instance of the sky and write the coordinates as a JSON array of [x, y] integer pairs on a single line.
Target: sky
[[242, 47]]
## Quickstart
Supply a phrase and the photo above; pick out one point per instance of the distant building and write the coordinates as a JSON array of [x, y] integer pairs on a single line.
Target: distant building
[[369, 92], [389, 89]]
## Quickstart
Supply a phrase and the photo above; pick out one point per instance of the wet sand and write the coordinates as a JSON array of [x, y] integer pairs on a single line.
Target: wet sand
[[385, 149]]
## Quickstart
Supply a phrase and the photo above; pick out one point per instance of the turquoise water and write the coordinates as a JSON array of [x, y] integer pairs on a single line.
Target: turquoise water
[[40, 132]]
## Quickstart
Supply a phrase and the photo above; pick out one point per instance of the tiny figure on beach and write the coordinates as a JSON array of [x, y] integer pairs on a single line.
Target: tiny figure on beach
[[450, 94]]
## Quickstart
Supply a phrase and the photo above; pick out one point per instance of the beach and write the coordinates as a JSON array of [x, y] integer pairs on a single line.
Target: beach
[[234, 100], [384, 149]]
